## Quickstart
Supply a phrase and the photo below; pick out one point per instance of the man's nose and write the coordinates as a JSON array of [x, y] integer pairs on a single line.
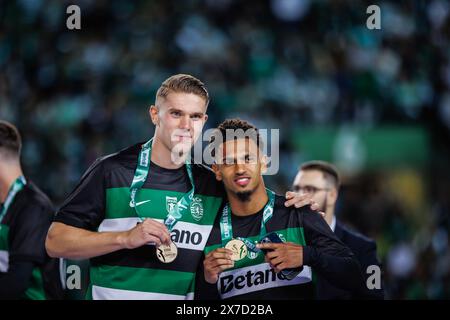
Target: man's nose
[[240, 168], [185, 122]]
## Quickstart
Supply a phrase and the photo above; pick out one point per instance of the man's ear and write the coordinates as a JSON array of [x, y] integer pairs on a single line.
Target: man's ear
[[333, 194], [215, 168], [153, 112]]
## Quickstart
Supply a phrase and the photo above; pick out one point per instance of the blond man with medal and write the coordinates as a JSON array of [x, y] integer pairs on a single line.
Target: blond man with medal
[[258, 248], [143, 215], [167, 251], [26, 271]]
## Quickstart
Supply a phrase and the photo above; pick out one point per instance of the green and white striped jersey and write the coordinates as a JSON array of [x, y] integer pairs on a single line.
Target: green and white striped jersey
[[252, 278], [101, 202]]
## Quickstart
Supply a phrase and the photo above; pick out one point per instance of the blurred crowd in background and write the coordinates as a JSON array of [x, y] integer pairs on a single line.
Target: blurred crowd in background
[[374, 102]]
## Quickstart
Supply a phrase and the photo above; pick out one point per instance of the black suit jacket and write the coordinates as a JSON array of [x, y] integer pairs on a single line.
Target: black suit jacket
[[365, 250]]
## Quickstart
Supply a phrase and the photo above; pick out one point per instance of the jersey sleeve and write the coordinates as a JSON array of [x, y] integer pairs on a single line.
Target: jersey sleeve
[[85, 206], [28, 233], [14, 283]]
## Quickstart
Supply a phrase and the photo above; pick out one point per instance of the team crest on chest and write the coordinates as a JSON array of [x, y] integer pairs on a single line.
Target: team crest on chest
[[171, 204], [197, 208]]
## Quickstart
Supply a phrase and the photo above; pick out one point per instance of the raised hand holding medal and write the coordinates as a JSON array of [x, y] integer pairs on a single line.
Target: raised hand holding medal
[[165, 253], [238, 248]]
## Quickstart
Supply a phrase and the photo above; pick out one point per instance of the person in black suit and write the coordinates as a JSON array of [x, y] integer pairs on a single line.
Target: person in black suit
[[321, 179]]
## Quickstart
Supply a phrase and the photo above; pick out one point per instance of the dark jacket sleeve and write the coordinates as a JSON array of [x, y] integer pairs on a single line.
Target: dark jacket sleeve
[[14, 282], [327, 255], [204, 290], [367, 257]]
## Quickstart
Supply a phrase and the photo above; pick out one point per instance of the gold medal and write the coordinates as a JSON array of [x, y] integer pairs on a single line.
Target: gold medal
[[238, 248], [167, 253]]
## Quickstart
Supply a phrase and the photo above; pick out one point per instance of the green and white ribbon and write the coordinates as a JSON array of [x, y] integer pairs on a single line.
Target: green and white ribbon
[[140, 176], [226, 228], [13, 190]]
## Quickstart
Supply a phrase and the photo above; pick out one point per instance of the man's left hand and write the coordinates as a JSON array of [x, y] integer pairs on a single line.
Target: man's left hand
[[283, 255]]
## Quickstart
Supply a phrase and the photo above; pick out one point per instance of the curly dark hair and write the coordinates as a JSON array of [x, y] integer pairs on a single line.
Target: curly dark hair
[[233, 126]]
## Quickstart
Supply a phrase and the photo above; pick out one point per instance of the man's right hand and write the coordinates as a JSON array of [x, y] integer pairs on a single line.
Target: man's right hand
[[215, 262], [298, 200], [148, 231]]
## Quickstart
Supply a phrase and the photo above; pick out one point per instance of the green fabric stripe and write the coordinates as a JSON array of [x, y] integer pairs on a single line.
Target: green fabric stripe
[[36, 289], [141, 279], [4, 232], [294, 235], [118, 205], [89, 291], [297, 234]]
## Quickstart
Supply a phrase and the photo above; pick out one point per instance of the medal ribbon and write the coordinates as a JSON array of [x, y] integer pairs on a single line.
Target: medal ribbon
[[140, 176], [226, 229], [13, 190]]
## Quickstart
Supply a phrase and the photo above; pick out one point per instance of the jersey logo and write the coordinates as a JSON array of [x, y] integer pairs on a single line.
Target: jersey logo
[[132, 204], [189, 238], [255, 278], [197, 209], [171, 204]]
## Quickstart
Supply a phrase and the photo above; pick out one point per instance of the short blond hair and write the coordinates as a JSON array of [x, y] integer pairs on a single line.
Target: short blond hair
[[184, 83]]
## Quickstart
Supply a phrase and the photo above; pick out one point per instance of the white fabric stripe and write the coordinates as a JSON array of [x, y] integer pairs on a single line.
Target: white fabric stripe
[[4, 261], [62, 272], [186, 235], [306, 274], [229, 286], [102, 293]]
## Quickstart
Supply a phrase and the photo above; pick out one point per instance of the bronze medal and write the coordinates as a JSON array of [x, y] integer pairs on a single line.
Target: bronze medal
[[238, 248], [167, 253]]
